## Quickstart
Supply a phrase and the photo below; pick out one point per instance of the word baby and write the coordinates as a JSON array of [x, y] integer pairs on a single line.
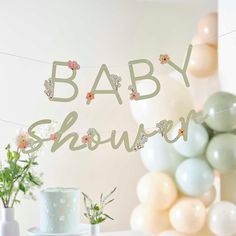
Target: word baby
[[114, 80]]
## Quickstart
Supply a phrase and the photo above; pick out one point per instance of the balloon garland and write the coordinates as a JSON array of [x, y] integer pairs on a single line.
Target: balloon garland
[[181, 181]]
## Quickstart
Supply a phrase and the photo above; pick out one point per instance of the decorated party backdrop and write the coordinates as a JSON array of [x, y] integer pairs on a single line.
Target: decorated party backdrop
[[37, 33]]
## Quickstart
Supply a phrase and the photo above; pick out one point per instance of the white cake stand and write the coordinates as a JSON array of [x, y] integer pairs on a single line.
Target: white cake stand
[[83, 230]]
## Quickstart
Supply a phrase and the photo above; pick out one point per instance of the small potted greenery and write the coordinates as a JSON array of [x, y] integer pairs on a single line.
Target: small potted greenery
[[16, 176], [95, 211]]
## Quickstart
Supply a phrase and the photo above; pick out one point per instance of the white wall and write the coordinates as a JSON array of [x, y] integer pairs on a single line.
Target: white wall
[[91, 32], [227, 50]]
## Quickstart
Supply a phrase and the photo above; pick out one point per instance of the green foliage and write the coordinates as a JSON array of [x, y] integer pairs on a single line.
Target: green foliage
[[94, 211], [16, 176]]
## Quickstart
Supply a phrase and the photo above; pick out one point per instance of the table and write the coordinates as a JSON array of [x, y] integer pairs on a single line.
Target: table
[[126, 233]]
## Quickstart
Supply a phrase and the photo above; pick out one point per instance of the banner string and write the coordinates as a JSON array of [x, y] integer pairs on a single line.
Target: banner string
[[88, 67]]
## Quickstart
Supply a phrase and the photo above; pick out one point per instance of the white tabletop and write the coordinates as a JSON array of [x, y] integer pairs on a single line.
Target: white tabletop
[[126, 233]]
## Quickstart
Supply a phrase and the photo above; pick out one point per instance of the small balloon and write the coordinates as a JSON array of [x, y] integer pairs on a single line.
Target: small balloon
[[220, 109], [194, 177], [196, 142], [207, 28], [147, 219], [208, 197], [222, 218], [188, 215], [157, 190], [170, 233], [221, 152], [203, 61], [158, 155]]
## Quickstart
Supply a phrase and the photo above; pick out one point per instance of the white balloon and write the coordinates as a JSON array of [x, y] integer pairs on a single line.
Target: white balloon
[[170, 233], [172, 102], [158, 155], [207, 86], [222, 219]]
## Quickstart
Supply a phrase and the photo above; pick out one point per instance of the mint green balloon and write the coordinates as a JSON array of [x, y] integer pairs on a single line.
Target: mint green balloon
[[194, 177], [221, 152], [220, 109], [196, 143]]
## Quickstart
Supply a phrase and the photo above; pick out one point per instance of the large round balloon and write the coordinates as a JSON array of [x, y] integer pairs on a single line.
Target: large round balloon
[[208, 197], [222, 218], [196, 142], [220, 110], [188, 215], [207, 86], [172, 102], [158, 155], [194, 177], [157, 190], [207, 28], [147, 219], [221, 152], [170, 233], [203, 61]]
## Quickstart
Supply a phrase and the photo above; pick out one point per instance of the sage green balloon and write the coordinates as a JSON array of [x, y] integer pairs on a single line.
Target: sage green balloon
[[221, 152], [220, 109]]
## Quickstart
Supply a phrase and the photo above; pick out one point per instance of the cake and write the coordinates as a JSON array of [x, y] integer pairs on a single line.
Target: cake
[[59, 210]]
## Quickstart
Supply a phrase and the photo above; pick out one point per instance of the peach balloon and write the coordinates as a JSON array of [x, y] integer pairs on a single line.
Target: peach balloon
[[188, 215], [170, 233], [203, 61], [147, 219], [208, 197], [208, 29], [157, 190], [198, 40]]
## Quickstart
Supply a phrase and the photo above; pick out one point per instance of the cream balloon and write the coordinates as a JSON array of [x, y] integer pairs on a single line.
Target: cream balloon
[[147, 219], [188, 215], [207, 28], [222, 218], [172, 102], [204, 232], [157, 190], [170, 233], [203, 61], [208, 197]]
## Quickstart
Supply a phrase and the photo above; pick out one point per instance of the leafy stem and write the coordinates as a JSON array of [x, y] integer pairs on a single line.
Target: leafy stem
[[94, 211], [20, 182], [16, 176]]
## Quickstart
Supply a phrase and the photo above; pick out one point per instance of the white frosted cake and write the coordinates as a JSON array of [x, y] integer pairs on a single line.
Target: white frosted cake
[[59, 210]]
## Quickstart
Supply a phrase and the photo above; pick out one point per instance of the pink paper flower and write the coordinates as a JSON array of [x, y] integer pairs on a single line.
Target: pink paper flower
[[164, 59], [23, 140], [86, 139], [134, 96], [90, 96], [73, 65], [54, 137], [181, 132]]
